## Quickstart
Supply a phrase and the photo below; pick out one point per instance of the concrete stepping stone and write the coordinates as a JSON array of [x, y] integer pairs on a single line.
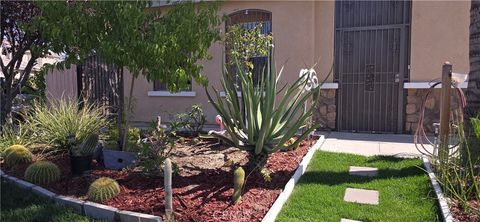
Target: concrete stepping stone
[[361, 196], [348, 220], [363, 171]]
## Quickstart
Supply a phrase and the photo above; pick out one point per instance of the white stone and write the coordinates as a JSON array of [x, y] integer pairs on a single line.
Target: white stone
[[361, 196], [348, 220], [363, 171]]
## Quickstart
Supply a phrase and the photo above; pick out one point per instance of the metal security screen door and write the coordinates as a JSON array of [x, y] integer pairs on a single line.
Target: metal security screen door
[[371, 63]]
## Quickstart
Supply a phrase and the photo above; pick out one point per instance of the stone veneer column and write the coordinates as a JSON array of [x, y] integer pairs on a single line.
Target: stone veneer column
[[326, 114], [415, 100]]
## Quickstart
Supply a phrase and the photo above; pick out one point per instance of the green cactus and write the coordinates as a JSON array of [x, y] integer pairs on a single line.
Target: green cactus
[[87, 147], [103, 189], [17, 156], [42, 173], [181, 140], [238, 181], [12, 148]]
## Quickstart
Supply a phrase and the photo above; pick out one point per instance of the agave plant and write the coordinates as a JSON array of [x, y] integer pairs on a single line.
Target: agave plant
[[263, 125]]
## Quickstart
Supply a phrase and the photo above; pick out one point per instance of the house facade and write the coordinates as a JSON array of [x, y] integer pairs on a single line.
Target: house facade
[[386, 53]]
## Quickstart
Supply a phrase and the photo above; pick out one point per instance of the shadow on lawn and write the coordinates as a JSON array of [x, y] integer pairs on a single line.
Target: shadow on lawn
[[336, 178]]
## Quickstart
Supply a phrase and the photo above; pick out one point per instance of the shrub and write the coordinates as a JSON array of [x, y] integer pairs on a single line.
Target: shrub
[[196, 119], [265, 125], [42, 173], [18, 155], [103, 189], [19, 134], [60, 119]]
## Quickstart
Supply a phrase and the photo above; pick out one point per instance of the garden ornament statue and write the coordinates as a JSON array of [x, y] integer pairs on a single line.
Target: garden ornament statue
[[312, 83], [219, 121]]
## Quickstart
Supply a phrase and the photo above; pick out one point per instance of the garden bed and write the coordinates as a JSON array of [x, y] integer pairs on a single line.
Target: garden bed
[[201, 191]]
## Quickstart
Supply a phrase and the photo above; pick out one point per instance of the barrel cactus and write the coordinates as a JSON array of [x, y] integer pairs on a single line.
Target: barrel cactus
[[12, 148], [42, 173], [103, 189], [18, 155], [238, 182]]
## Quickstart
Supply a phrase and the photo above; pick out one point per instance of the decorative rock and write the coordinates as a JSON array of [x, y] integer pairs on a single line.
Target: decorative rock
[[323, 92], [411, 108], [331, 124], [430, 103], [412, 99], [332, 108], [323, 110], [331, 94], [363, 171], [331, 116], [412, 118], [361, 196], [99, 211]]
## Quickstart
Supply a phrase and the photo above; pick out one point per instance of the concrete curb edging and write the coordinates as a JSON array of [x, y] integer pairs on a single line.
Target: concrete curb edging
[[283, 196], [86, 208], [442, 201]]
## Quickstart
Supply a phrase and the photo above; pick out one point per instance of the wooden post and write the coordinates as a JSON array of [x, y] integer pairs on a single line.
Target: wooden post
[[445, 111]]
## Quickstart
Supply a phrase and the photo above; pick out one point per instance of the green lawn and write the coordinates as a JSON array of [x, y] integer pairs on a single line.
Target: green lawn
[[405, 192], [18, 205]]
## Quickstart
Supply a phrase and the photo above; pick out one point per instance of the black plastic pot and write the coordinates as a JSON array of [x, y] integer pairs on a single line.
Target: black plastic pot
[[80, 164]]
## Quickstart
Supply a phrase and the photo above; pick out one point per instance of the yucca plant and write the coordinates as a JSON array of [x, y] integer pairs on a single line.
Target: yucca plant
[[263, 125]]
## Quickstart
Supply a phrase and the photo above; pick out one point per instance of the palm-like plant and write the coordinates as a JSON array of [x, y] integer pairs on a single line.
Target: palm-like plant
[[263, 125]]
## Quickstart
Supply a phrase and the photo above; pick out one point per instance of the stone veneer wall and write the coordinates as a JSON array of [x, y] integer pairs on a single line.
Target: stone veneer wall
[[326, 114], [415, 98]]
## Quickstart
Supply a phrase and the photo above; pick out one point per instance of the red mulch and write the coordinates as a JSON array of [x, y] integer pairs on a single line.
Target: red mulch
[[203, 197], [470, 215]]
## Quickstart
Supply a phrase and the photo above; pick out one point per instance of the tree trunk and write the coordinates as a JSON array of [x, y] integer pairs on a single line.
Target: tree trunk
[[473, 90]]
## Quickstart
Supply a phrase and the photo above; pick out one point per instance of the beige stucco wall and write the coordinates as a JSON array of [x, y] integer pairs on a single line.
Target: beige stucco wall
[[293, 29], [440, 32], [304, 35]]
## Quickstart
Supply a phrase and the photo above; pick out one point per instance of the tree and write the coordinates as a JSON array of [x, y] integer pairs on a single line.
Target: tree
[[19, 37], [125, 33], [163, 47], [473, 91]]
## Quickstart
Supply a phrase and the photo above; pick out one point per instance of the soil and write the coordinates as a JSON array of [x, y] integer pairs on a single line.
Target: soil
[[201, 191]]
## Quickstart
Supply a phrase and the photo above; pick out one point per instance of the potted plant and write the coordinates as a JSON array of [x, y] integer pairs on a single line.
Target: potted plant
[[81, 154], [116, 158]]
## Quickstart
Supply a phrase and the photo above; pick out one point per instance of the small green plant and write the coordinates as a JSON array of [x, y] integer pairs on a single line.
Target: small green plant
[[18, 155], [103, 189], [156, 148], [238, 182], [132, 143], [58, 120], [196, 119], [42, 173]]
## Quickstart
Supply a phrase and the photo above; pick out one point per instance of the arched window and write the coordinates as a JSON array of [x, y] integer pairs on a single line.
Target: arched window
[[249, 19]]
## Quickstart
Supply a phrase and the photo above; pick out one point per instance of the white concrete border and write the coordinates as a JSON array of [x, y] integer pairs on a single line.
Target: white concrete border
[[427, 85], [329, 85], [86, 208], [283, 196], [442, 201], [169, 94]]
